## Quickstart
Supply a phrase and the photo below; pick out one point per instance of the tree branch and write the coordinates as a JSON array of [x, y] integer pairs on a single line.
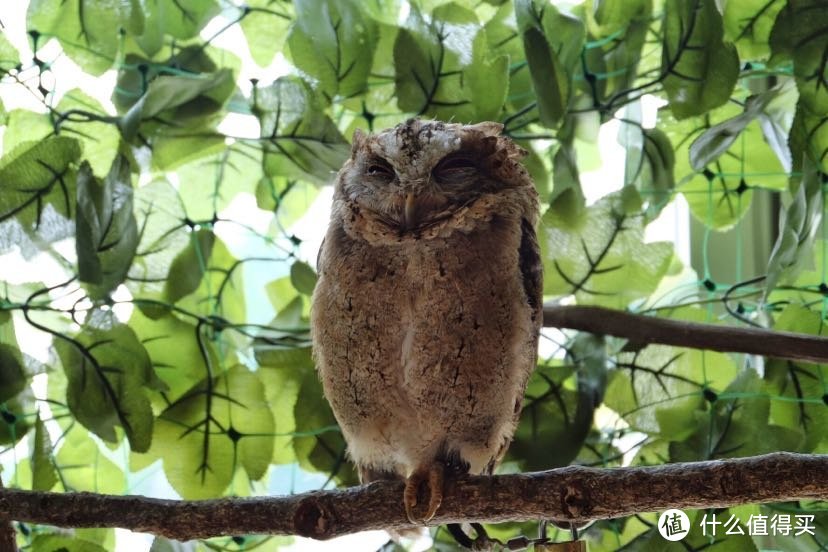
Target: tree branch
[[573, 493], [650, 329], [8, 538]]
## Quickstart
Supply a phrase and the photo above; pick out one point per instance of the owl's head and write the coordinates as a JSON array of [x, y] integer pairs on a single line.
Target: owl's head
[[420, 173]]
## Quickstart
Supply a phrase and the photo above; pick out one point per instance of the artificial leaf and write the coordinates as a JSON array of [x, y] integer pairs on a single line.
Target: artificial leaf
[[720, 194], [62, 543], [108, 371], [202, 436], [799, 382], [84, 467], [9, 56], [190, 265], [36, 175], [106, 230], [88, 31], [617, 33], [174, 349], [265, 26], [99, 138], [726, 429], [302, 277], [174, 91], [600, 256], [552, 42], [212, 182], [14, 416], [44, 476], [318, 444], [699, 69], [444, 67], [12, 374], [713, 142], [299, 140], [798, 227], [180, 19], [748, 24], [333, 42]]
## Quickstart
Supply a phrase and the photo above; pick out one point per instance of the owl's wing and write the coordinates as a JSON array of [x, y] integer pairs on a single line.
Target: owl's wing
[[319, 256], [532, 269]]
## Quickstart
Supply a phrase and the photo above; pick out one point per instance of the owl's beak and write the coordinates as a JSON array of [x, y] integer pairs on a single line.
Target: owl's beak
[[410, 212]]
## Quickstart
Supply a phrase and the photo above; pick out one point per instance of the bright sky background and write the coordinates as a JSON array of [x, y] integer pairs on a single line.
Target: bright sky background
[[673, 224]]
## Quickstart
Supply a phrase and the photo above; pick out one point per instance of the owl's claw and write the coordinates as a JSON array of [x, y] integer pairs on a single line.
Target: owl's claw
[[432, 476]]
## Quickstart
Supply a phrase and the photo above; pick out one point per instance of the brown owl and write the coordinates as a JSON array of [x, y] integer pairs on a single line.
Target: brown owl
[[427, 310]]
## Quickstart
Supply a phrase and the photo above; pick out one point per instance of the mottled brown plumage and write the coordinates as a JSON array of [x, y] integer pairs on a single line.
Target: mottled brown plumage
[[427, 310]]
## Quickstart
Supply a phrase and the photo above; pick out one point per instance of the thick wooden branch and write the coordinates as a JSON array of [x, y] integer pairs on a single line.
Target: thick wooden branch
[[650, 329], [572, 493]]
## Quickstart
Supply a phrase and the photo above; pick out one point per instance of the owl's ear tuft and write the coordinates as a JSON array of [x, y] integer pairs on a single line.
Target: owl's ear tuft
[[357, 142], [488, 128]]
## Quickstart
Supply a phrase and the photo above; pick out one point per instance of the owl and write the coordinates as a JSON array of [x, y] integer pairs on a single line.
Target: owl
[[427, 310]]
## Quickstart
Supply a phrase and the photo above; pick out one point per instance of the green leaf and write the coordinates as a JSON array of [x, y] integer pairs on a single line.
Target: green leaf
[[88, 31], [12, 374], [434, 74], [37, 174], [14, 416], [171, 91], [729, 428], [98, 139], [221, 291], [22, 126], [219, 422], [318, 444], [265, 26], [552, 413], [299, 140], [713, 142], [801, 37], [84, 467], [333, 42], [107, 234], [552, 42], [175, 352], [108, 371], [189, 266], [600, 256], [798, 227], [9, 56], [565, 175], [800, 383], [282, 371], [173, 148], [617, 33], [302, 277], [720, 194], [181, 19], [63, 543], [748, 24], [801, 34], [700, 70], [212, 182], [44, 476]]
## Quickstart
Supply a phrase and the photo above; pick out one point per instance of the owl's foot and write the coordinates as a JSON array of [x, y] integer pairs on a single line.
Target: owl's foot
[[432, 477]]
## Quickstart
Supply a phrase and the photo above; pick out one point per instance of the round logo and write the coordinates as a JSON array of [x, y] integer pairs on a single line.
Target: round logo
[[673, 525]]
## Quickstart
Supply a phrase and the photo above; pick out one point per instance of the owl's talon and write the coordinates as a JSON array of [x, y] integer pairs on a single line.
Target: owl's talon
[[433, 478]]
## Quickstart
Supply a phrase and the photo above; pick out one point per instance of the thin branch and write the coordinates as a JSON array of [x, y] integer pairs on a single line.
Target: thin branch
[[650, 329], [573, 493]]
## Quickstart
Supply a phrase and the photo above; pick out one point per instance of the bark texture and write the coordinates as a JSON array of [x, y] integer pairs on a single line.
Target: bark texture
[[572, 493]]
